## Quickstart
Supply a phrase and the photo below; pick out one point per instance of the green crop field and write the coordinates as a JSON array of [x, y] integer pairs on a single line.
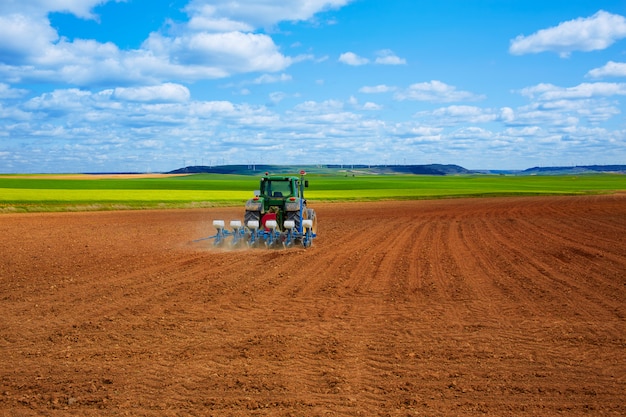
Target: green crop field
[[58, 193], [413, 187]]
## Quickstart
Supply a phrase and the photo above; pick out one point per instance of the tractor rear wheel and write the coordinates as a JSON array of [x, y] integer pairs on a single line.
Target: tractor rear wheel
[[295, 217], [250, 235], [251, 216]]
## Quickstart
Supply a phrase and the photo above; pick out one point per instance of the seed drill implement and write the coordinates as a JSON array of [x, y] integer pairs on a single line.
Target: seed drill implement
[[277, 216]]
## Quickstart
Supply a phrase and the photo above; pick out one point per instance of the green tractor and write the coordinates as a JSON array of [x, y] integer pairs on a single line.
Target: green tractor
[[277, 215]]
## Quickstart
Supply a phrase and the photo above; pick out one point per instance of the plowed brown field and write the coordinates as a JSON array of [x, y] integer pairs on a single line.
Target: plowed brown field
[[501, 307]]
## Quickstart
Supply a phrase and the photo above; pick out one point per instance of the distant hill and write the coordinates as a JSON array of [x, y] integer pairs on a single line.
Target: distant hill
[[432, 169], [582, 169]]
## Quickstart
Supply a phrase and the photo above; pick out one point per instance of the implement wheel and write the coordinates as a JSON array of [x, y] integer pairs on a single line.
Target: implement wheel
[[310, 227], [309, 214], [295, 217]]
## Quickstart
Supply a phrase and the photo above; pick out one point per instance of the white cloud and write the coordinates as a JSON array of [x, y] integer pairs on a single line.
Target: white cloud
[[371, 106], [321, 59], [507, 114], [384, 57], [16, 116], [354, 102], [526, 131], [218, 25], [550, 109], [320, 107], [277, 96], [597, 111], [546, 92], [536, 115], [204, 19], [227, 53], [435, 91], [7, 92], [23, 38], [387, 57], [271, 79], [467, 114], [353, 59], [167, 92], [410, 135], [611, 69], [59, 100], [466, 136], [79, 8], [583, 34], [260, 80], [260, 13], [425, 131], [381, 88], [210, 108], [593, 109]]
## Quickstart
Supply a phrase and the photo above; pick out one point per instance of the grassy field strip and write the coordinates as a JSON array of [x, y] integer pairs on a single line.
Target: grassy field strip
[[205, 190], [62, 195], [475, 184], [404, 193]]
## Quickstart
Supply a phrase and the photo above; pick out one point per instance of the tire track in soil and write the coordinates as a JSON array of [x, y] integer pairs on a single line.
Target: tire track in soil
[[354, 286], [551, 281], [483, 302], [576, 250], [560, 289]]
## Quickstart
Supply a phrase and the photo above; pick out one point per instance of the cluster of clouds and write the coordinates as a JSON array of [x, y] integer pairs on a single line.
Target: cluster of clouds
[[129, 128], [219, 39], [131, 109]]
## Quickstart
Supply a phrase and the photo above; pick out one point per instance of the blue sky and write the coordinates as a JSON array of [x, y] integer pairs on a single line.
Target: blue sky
[[153, 85]]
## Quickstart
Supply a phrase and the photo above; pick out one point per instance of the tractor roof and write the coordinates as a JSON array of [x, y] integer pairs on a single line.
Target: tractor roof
[[280, 177]]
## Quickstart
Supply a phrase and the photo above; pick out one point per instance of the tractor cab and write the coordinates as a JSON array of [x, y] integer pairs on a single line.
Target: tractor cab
[[275, 190], [279, 187]]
